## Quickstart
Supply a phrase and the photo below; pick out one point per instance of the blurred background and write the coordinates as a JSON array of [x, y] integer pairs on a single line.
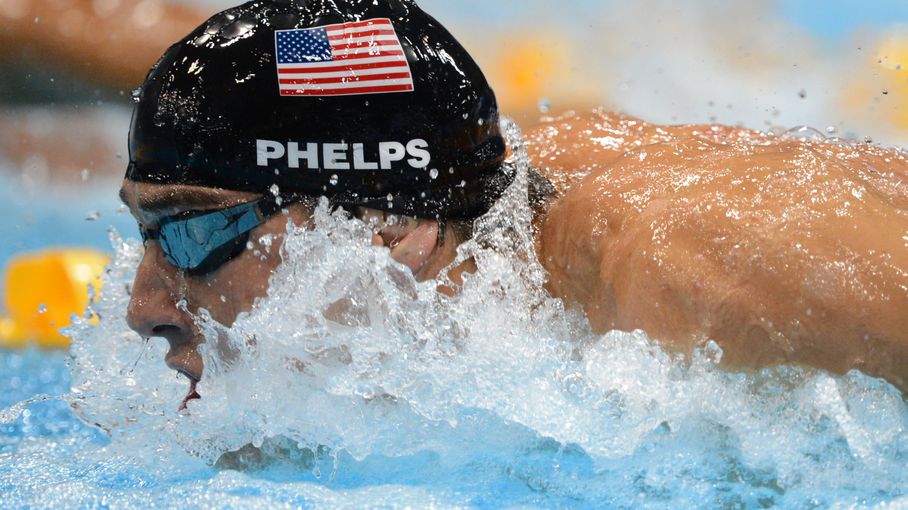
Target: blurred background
[[67, 69]]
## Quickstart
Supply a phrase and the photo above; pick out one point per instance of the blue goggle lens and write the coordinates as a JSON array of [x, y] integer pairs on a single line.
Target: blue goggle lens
[[202, 241]]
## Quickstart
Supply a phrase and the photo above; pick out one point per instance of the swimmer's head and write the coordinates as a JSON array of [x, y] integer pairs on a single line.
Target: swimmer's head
[[371, 104], [266, 107]]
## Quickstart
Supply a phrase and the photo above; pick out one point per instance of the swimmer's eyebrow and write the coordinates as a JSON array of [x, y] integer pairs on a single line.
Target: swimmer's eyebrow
[[165, 200]]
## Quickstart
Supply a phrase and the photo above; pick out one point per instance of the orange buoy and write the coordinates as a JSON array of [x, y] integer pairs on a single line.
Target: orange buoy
[[43, 290]]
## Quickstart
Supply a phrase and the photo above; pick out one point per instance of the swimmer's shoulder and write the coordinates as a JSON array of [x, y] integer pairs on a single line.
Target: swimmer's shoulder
[[568, 148]]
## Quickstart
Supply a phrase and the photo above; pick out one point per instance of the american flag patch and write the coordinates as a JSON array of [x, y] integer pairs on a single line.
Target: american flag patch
[[363, 57]]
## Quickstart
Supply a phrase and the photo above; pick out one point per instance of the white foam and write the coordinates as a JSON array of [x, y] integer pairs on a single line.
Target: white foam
[[498, 385]]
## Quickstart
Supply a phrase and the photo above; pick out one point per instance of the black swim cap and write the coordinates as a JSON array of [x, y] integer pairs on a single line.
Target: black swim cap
[[367, 102]]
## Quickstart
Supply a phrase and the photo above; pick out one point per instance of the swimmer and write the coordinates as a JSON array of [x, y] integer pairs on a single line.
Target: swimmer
[[782, 251]]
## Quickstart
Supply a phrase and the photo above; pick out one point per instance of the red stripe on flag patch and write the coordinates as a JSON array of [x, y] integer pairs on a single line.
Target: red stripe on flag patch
[[359, 24], [352, 91], [349, 79], [345, 67], [364, 33]]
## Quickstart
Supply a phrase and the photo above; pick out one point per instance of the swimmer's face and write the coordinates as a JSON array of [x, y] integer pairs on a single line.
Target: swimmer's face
[[233, 287], [225, 292]]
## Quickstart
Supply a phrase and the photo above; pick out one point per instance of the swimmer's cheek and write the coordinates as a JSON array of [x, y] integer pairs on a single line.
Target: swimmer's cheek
[[416, 247]]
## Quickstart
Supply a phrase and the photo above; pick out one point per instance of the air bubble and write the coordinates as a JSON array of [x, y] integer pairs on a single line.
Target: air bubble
[[275, 189], [544, 105], [93, 216], [806, 133], [433, 173], [85, 174], [42, 308], [334, 179]]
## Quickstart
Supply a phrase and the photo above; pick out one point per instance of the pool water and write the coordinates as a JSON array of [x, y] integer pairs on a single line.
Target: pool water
[[498, 397]]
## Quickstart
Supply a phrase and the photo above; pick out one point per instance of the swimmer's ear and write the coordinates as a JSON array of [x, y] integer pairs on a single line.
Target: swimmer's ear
[[412, 242]]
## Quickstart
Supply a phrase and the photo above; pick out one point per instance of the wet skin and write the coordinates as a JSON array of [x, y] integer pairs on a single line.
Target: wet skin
[[782, 251], [233, 288]]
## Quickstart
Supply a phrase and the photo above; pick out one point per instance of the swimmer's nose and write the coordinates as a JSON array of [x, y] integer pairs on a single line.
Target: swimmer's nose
[[153, 308]]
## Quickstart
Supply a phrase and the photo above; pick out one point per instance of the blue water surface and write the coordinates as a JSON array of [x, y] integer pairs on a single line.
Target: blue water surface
[[32, 221], [26, 374], [293, 480]]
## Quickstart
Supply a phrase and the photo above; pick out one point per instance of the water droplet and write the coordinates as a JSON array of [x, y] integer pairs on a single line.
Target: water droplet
[[334, 179], [544, 105], [137, 95], [239, 29], [466, 116], [42, 308], [885, 92], [802, 94], [86, 173], [831, 129], [868, 139], [390, 197], [806, 133], [433, 173], [712, 353], [93, 216], [37, 19], [223, 298], [275, 189], [202, 39]]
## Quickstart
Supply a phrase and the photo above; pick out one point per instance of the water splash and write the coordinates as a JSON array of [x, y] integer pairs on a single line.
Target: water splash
[[12, 413], [351, 383]]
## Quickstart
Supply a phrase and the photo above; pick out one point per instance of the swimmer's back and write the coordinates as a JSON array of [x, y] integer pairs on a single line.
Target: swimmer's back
[[781, 250]]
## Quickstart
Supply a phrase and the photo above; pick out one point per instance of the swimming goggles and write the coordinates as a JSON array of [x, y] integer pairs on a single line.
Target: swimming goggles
[[202, 241]]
